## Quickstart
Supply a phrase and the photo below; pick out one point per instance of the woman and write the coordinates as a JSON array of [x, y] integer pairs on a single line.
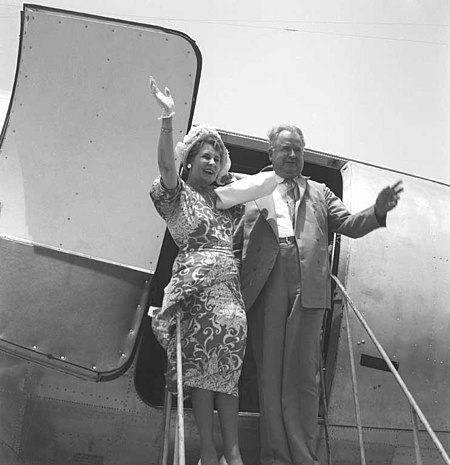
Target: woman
[[204, 286]]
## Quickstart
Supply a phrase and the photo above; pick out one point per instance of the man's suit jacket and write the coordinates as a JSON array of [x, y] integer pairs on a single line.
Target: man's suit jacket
[[318, 211]]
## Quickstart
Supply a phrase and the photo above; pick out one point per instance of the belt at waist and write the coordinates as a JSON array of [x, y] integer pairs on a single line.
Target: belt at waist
[[287, 240]]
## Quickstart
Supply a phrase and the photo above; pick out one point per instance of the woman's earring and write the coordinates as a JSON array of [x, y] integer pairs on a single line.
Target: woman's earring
[[189, 166]]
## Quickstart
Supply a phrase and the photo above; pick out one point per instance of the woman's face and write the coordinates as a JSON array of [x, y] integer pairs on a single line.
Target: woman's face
[[205, 166]]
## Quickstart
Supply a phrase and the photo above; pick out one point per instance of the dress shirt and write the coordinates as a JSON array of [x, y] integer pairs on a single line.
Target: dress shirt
[[284, 223]]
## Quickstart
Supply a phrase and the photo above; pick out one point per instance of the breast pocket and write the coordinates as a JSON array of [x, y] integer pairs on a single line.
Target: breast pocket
[[317, 214]]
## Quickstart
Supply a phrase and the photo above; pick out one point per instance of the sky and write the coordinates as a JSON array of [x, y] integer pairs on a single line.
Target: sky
[[367, 80]]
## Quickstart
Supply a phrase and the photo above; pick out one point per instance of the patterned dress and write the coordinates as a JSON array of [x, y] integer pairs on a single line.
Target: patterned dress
[[205, 288]]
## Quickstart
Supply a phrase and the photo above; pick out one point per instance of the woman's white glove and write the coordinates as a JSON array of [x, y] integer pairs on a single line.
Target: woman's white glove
[[164, 100]]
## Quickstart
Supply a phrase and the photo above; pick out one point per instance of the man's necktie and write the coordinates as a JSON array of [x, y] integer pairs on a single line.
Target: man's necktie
[[292, 195]]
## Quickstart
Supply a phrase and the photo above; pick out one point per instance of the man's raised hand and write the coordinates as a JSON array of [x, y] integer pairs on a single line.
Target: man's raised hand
[[388, 198]]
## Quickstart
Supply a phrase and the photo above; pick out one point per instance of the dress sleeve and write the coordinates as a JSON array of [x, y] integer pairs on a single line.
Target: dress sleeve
[[165, 200]]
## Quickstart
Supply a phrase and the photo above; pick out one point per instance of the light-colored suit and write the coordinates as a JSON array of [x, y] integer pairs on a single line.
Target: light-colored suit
[[318, 211], [285, 329]]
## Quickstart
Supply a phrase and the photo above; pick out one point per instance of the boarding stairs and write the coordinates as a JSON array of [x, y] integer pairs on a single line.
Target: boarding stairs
[[416, 413]]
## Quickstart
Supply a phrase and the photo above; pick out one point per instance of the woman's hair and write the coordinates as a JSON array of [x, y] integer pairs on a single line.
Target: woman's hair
[[195, 149], [195, 139]]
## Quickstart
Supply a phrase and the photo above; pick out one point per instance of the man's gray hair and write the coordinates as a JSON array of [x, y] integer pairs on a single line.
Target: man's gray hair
[[275, 132]]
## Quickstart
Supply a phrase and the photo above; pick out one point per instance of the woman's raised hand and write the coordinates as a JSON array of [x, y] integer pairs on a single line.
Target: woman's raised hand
[[165, 100]]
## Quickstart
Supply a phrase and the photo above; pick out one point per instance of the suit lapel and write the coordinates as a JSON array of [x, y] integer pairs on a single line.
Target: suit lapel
[[266, 207]]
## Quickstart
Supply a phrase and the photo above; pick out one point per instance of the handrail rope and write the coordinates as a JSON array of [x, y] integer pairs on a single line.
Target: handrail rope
[[325, 411], [397, 377], [416, 436], [355, 389], [164, 449], [180, 397]]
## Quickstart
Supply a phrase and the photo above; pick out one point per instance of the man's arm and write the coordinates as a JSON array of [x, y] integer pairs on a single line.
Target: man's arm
[[238, 241], [365, 221], [245, 189]]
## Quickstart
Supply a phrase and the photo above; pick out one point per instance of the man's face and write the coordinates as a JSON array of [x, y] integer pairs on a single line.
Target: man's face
[[287, 154]]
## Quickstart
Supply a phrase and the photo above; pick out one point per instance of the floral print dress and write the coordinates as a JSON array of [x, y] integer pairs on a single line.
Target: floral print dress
[[204, 288]]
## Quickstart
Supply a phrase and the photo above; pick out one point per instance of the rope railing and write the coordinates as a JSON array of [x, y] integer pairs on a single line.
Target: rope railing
[[355, 391], [415, 409], [179, 457]]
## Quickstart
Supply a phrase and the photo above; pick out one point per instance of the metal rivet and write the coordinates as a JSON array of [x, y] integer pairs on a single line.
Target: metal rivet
[[139, 307], [62, 357], [94, 367], [122, 355], [35, 347]]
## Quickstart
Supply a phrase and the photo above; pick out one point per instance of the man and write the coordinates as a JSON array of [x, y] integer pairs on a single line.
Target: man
[[286, 288]]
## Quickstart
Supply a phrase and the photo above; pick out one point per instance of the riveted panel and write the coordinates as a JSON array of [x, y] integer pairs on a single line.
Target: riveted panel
[[79, 236], [62, 310], [78, 151], [398, 278]]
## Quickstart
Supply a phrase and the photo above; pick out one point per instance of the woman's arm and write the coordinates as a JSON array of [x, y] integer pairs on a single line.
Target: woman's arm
[[166, 157]]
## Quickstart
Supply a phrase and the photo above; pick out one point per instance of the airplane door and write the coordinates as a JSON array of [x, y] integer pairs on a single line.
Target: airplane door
[[79, 237]]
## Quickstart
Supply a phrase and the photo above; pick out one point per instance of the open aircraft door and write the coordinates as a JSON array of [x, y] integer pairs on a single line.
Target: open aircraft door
[[79, 237]]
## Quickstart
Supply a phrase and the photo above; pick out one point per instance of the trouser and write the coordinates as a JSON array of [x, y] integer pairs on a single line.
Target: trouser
[[285, 338]]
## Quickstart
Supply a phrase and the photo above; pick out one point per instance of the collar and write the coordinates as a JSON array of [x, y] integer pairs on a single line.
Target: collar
[[300, 179]]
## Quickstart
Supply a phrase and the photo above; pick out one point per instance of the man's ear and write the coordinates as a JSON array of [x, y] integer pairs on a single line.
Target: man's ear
[[270, 154]]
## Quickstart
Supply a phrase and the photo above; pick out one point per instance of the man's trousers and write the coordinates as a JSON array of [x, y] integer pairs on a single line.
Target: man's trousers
[[285, 338]]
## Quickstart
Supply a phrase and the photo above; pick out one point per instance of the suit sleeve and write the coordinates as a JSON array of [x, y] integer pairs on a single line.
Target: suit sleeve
[[245, 189], [238, 241], [341, 221]]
